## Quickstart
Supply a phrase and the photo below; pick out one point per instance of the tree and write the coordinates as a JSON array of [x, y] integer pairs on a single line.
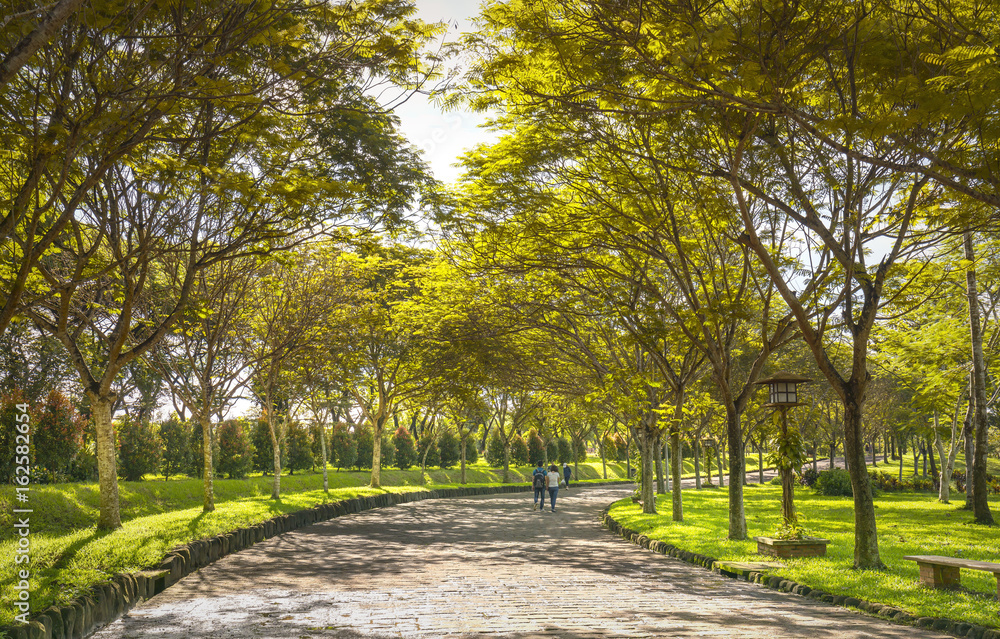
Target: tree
[[176, 437], [299, 447], [235, 455], [406, 448], [428, 451], [449, 448], [365, 445], [537, 451], [138, 449], [344, 446], [57, 434]]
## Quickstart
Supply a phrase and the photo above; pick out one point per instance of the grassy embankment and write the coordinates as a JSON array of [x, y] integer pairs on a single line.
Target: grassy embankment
[[908, 524], [68, 554]]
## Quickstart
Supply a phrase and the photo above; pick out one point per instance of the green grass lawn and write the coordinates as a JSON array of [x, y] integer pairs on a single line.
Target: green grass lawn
[[69, 555], [908, 524]]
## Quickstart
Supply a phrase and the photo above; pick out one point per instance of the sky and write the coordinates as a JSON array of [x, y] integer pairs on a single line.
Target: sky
[[443, 137]]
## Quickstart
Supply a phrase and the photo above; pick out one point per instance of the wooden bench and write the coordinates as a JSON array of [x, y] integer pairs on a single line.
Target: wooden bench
[[943, 572]]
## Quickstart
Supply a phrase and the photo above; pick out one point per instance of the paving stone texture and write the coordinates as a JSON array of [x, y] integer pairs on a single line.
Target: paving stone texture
[[485, 566]]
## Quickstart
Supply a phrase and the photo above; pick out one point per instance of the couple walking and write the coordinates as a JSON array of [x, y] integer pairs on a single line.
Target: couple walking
[[542, 481]]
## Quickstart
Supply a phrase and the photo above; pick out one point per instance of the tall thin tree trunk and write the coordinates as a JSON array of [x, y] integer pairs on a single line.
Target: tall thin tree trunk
[[696, 453], [980, 502], [660, 490], [109, 517], [322, 447], [676, 468], [866, 554], [208, 502], [720, 455]]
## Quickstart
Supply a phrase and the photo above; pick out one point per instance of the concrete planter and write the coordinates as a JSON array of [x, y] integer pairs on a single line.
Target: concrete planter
[[788, 548]]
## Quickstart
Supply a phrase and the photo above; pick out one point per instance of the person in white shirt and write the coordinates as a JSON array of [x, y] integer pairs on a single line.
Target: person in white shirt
[[553, 478]]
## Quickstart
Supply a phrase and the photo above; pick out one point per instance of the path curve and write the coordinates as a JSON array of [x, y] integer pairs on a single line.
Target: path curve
[[484, 566]]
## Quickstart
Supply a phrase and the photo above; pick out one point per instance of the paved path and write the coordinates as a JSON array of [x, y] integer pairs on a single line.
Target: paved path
[[480, 566]]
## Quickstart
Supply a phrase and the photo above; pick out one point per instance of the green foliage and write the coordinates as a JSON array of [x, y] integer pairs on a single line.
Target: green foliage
[[406, 448], [791, 530], [263, 448], [494, 450], [176, 438], [9, 412], [316, 433], [834, 482], [57, 435], [343, 446], [808, 478], [471, 451], [138, 448], [519, 451], [428, 445], [621, 448], [551, 450], [198, 453], [364, 438], [299, 447], [235, 454], [449, 448], [565, 451], [536, 447], [889, 482], [388, 449]]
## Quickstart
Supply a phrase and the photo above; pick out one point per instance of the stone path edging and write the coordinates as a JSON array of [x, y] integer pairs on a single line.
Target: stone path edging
[[108, 601], [893, 614]]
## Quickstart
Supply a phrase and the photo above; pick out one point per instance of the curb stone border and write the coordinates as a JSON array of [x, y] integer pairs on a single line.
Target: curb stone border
[[882, 611], [106, 602]]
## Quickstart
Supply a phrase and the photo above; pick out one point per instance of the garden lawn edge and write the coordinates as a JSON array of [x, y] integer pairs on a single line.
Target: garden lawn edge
[[108, 601], [882, 611]]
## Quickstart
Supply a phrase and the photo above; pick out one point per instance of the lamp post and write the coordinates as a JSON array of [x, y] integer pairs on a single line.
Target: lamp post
[[783, 395]]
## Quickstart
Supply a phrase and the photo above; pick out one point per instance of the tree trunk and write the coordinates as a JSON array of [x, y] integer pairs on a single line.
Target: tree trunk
[[737, 468], [866, 554], [659, 469], [720, 453], [377, 428], [275, 442], [646, 438], [506, 462], [322, 447], [787, 479], [208, 503], [697, 465], [760, 461], [833, 453], [676, 466], [970, 454], [604, 460], [462, 444], [107, 465], [980, 502], [935, 476]]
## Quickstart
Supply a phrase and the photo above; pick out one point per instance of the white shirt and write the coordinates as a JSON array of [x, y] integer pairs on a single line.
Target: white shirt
[[553, 479]]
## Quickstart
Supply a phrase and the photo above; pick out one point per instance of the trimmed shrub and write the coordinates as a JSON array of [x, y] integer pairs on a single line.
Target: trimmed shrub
[[519, 451], [176, 438], [808, 478], [57, 437], [388, 449], [536, 447], [406, 448], [428, 445], [471, 451], [365, 440], [263, 448], [235, 454], [565, 451], [551, 451], [494, 450], [138, 448], [449, 449], [343, 447], [834, 482], [300, 455]]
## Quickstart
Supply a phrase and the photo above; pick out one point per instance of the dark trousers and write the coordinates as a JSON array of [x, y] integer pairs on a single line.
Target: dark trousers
[[540, 492]]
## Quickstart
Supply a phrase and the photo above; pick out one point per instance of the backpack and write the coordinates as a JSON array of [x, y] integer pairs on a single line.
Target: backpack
[[538, 481]]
